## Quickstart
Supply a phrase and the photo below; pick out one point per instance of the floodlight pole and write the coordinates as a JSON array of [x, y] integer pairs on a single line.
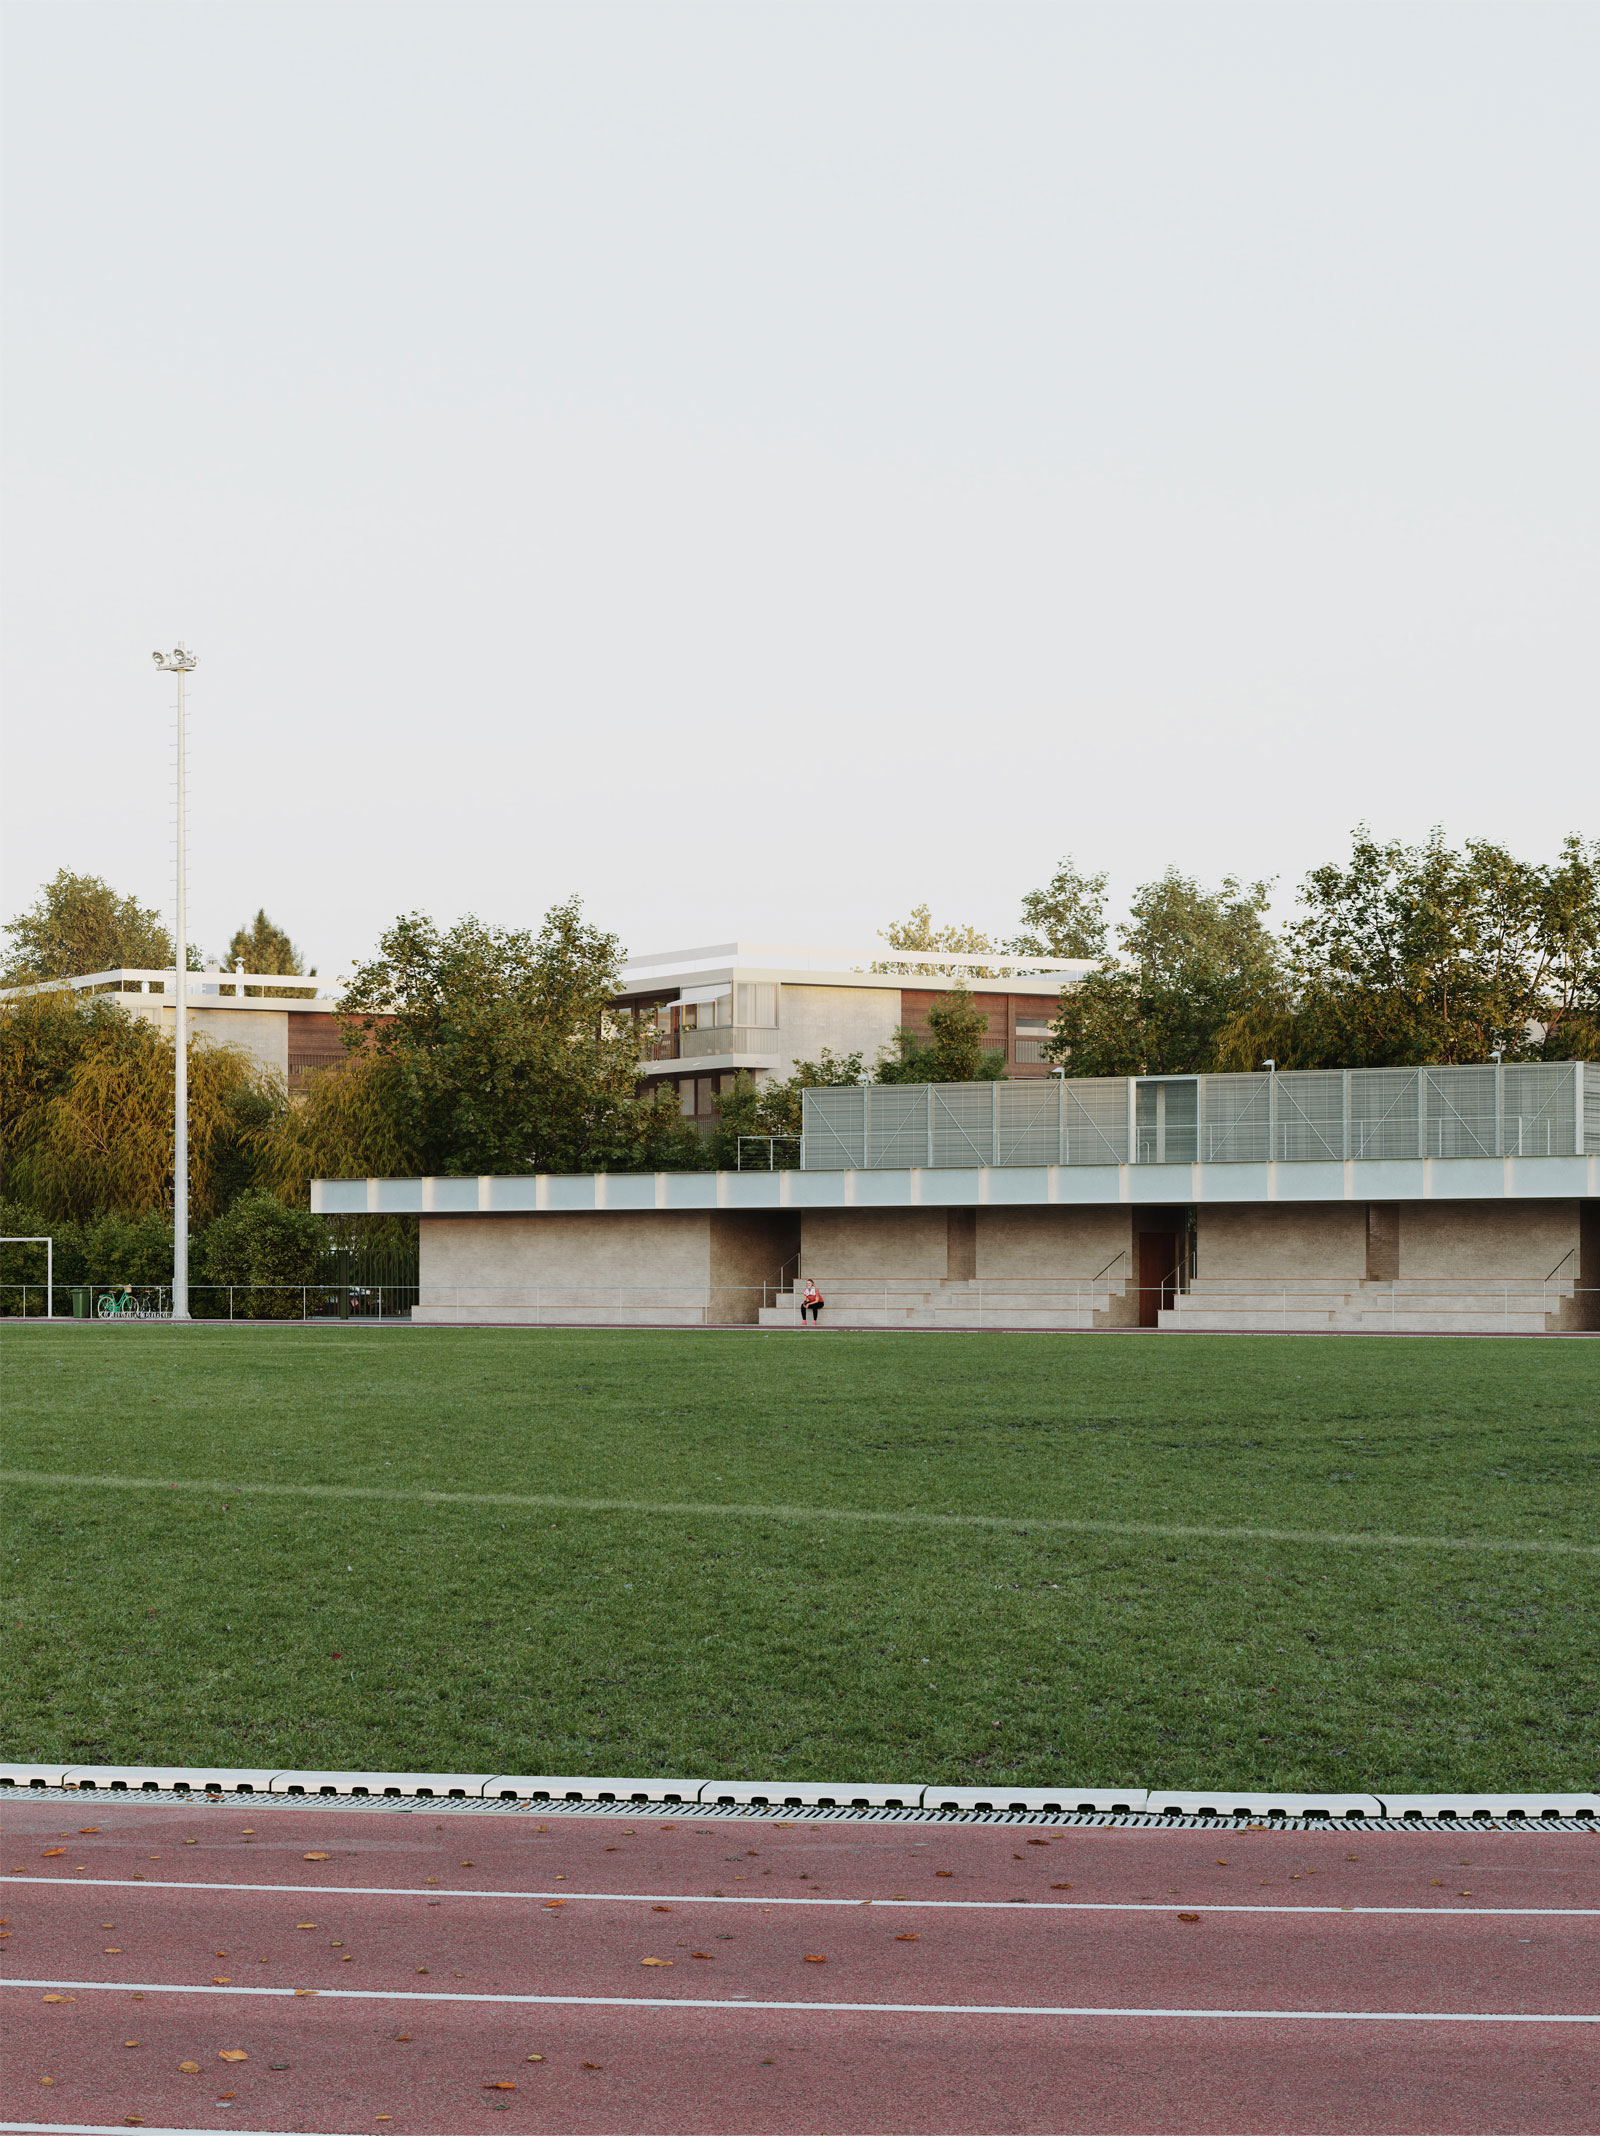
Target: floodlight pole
[[178, 663]]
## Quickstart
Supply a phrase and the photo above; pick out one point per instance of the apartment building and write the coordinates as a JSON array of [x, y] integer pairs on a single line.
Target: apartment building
[[759, 1008]]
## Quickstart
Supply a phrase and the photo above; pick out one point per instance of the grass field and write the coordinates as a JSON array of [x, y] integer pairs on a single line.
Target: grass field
[[687, 1631]]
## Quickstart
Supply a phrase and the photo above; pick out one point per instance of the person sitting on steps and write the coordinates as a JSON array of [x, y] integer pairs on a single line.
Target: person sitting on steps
[[811, 1302]]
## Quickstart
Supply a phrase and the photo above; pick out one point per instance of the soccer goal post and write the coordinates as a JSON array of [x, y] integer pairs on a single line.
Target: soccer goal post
[[49, 1246]]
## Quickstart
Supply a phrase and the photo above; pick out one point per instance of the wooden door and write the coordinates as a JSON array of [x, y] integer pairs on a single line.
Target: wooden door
[[1160, 1257]]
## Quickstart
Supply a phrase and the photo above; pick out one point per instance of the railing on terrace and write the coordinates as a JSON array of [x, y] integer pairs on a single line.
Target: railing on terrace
[[1521, 1109], [1513, 1305], [205, 986]]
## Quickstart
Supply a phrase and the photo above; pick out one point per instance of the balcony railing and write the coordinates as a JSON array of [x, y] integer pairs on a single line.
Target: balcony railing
[[714, 1041]]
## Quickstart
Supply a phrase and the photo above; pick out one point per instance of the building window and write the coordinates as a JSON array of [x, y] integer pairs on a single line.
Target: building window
[[686, 1097], [757, 1006]]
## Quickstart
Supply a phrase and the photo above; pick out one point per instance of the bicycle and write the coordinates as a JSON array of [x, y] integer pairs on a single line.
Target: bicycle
[[124, 1305]]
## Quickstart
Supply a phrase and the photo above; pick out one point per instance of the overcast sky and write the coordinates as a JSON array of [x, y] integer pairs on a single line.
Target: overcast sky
[[763, 466]]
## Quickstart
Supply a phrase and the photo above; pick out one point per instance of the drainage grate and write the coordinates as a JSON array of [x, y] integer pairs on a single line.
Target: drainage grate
[[790, 1813]]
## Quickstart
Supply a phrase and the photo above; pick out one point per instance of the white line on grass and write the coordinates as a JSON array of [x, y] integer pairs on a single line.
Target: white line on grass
[[1020, 1523], [735, 2002], [767, 1900]]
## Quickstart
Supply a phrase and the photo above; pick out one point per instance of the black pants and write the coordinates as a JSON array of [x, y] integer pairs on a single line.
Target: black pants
[[813, 1310]]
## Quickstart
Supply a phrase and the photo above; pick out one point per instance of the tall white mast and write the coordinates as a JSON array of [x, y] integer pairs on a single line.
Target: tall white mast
[[179, 662]]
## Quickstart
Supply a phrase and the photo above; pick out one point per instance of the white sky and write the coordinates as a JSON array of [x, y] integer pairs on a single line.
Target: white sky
[[761, 466]]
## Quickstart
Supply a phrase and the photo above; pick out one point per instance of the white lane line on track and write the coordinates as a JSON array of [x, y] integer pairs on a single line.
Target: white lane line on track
[[714, 2002], [1019, 1523], [767, 1902], [120, 2128]]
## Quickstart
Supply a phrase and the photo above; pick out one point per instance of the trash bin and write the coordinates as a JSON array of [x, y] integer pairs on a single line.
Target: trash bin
[[80, 1301]]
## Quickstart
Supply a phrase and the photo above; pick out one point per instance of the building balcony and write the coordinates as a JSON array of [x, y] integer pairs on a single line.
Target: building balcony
[[716, 1042]]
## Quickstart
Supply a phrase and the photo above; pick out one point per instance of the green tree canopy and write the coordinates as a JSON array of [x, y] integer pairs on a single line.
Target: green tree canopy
[[264, 947], [773, 1107], [86, 1097], [919, 932], [1197, 964], [500, 1053], [79, 924], [956, 1052], [1422, 953], [1067, 918]]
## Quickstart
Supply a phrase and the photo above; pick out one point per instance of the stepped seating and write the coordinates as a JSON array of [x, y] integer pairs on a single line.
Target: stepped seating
[[1418, 1305], [1054, 1302]]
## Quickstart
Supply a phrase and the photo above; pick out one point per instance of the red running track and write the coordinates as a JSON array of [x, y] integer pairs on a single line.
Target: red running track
[[421, 1970]]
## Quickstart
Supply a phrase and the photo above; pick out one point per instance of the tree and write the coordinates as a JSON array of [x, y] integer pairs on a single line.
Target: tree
[[271, 1248], [1421, 953], [264, 947], [1198, 964], [79, 924], [501, 1054], [87, 1112], [775, 1107], [1067, 918], [919, 932], [956, 1052]]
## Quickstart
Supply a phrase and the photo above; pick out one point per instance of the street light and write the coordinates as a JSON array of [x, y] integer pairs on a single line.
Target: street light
[[178, 662]]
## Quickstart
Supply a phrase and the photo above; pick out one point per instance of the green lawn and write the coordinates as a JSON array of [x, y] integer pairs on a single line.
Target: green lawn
[[154, 1625]]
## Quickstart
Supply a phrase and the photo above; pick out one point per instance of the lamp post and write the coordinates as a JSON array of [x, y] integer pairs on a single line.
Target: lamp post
[[178, 662]]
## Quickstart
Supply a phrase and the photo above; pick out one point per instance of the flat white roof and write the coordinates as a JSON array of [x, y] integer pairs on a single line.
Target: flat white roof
[[203, 988], [800, 964]]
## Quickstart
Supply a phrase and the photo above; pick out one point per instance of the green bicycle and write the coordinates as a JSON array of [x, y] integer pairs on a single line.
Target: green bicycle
[[121, 1304]]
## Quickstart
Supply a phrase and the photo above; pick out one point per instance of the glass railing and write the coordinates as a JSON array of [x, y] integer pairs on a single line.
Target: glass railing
[[728, 1038]]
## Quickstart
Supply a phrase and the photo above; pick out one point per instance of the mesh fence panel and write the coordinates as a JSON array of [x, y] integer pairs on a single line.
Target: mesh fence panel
[[835, 1130], [963, 1123], [1311, 1116], [1236, 1116], [1095, 1120], [1591, 1110], [1028, 1123], [1541, 1109], [1394, 1114], [1383, 1113], [898, 1118], [1460, 1111]]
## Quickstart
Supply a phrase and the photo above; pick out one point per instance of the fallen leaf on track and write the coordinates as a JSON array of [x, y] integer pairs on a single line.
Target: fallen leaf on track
[[189, 2069], [500, 2084], [906, 1937], [232, 2054], [661, 1909], [59, 1998], [555, 1902], [815, 1958], [1060, 1887], [50, 1853], [944, 1872], [316, 1857], [655, 1961], [305, 1924], [1188, 1917], [534, 2058], [699, 1954], [222, 1980], [88, 1828], [112, 1950], [591, 2065]]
